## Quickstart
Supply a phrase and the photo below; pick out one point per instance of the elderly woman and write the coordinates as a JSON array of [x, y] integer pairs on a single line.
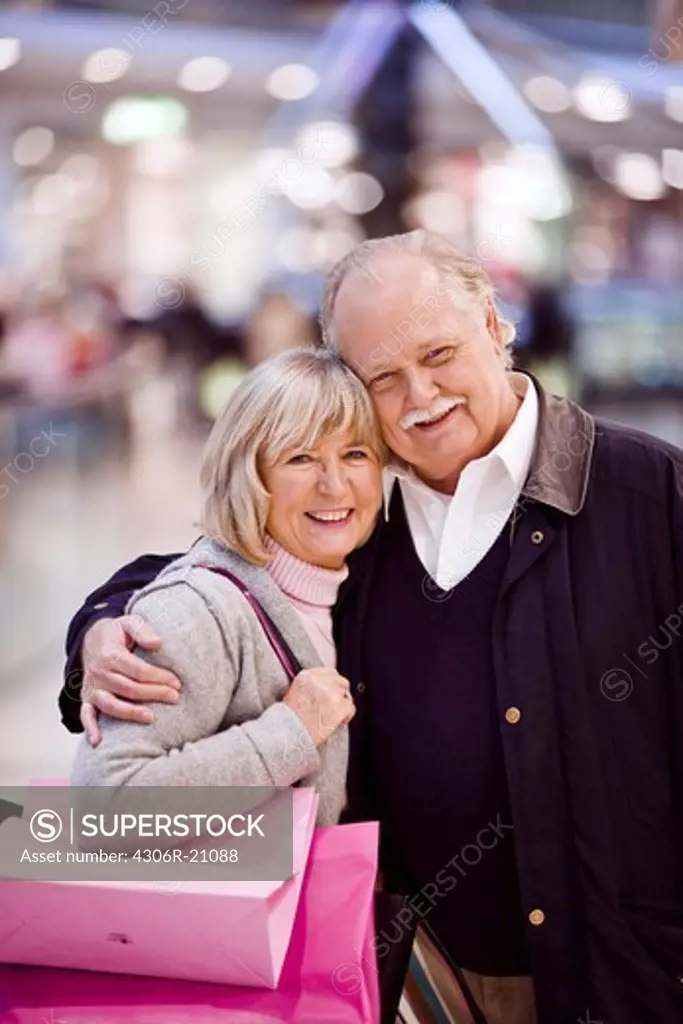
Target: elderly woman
[[292, 480]]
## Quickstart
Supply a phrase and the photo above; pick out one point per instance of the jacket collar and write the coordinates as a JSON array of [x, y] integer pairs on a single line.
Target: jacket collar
[[560, 465]]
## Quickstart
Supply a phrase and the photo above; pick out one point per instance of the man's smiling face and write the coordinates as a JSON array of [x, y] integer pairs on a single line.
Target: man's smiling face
[[432, 358]]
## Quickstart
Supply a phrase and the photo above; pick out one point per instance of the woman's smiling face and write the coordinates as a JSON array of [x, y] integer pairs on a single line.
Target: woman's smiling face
[[324, 500]]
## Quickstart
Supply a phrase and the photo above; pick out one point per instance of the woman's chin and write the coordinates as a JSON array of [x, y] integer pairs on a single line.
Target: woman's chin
[[332, 551], [331, 556]]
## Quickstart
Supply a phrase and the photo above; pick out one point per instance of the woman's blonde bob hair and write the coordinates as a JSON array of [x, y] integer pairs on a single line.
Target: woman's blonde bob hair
[[291, 400]]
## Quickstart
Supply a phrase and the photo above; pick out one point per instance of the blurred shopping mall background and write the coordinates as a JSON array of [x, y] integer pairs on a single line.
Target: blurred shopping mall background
[[177, 176]]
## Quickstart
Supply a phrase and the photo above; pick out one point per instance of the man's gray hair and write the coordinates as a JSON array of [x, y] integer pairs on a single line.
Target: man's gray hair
[[363, 259]]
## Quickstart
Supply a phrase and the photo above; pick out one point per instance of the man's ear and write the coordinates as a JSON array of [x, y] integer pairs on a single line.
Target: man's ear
[[493, 325]]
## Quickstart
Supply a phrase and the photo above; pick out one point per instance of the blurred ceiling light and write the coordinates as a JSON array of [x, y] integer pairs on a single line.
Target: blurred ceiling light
[[545, 173], [161, 157], [157, 251], [83, 168], [673, 102], [637, 176], [269, 162], [328, 143], [506, 237], [602, 99], [548, 94], [33, 145], [672, 167], [204, 74], [134, 118], [297, 250], [438, 210], [90, 199], [227, 195], [10, 52], [358, 192], [218, 200], [312, 189], [105, 65], [52, 194], [530, 181], [292, 82], [87, 185], [338, 243]]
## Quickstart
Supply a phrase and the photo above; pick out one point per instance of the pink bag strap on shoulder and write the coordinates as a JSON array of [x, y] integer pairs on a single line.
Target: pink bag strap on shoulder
[[275, 638]]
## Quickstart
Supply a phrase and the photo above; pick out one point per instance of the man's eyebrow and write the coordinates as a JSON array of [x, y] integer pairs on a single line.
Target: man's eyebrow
[[424, 346], [435, 341], [374, 374]]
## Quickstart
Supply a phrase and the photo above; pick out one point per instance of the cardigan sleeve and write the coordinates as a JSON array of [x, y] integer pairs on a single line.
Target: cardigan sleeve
[[107, 602], [186, 745]]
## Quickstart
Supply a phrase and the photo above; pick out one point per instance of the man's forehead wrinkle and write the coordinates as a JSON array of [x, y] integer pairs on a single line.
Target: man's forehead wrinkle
[[407, 273], [357, 289]]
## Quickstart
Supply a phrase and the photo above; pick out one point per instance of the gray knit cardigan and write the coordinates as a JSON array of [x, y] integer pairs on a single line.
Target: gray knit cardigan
[[230, 727]]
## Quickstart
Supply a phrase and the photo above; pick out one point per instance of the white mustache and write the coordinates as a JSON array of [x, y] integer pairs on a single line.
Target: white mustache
[[440, 407]]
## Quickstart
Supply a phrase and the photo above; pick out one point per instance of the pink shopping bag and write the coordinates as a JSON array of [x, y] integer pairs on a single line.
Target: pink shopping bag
[[329, 976], [234, 933]]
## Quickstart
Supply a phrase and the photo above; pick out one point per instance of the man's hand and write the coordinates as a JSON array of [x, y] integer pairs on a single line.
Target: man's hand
[[112, 672], [322, 700]]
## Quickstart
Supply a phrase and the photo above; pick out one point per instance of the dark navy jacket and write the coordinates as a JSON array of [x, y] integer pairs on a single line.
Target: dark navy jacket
[[586, 644]]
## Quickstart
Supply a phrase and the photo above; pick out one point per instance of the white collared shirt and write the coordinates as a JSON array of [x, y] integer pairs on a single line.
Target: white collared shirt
[[453, 533]]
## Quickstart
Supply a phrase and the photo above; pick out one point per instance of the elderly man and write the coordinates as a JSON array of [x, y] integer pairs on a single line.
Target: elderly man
[[511, 632]]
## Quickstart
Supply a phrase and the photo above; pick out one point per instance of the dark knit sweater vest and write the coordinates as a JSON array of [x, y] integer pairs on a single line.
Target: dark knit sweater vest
[[436, 751]]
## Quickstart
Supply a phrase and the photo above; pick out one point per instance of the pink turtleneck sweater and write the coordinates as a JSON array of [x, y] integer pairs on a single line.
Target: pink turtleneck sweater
[[312, 591]]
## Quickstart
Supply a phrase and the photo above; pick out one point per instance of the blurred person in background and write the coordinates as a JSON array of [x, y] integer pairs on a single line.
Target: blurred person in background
[[547, 335], [187, 330], [278, 323], [12, 384], [39, 357], [292, 478], [94, 321], [529, 792], [195, 345], [63, 351], [39, 347]]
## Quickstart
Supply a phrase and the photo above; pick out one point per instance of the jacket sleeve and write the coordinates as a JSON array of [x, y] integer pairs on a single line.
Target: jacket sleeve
[[186, 744], [107, 602]]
